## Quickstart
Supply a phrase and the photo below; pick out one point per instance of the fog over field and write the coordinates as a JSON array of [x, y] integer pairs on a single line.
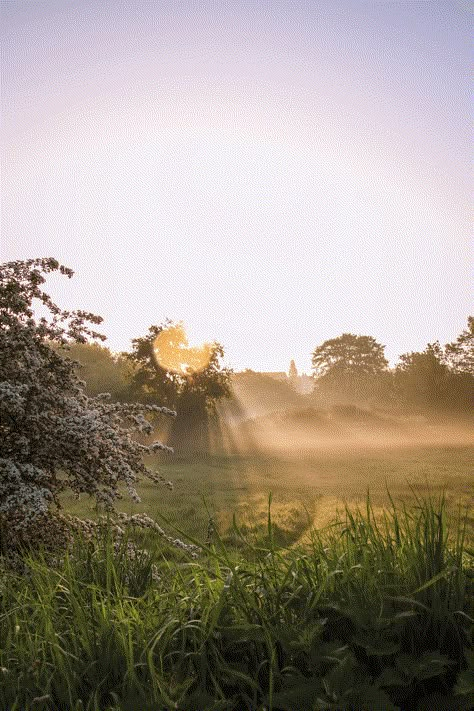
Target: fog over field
[[294, 425], [293, 433]]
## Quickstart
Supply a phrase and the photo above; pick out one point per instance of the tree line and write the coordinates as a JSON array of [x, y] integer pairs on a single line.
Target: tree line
[[348, 369], [353, 368], [59, 432]]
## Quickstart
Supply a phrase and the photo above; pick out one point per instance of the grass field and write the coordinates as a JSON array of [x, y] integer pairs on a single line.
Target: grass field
[[306, 487], [319, 607], [365, 616]]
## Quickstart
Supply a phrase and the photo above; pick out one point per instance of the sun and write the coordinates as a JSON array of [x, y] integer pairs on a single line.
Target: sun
[[172, 351]]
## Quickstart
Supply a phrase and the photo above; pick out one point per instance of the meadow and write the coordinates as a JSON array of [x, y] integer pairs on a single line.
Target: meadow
[[367, 615], [308, 483], [335, 574]]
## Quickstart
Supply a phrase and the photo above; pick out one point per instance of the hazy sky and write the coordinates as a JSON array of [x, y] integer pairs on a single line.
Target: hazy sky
[[273, 172]]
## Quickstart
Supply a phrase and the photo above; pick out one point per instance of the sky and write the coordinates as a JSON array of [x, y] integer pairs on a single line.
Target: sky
[[273, 173]]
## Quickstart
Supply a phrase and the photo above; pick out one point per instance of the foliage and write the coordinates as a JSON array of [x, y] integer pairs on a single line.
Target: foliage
[[422, 378], [349, 365], [460, 354], [54, 437], [435, 379], [459, 357], [369, 614], [196, 391], [353, 369], [349, 353], [102, 371], [150, 381], [182, 380]]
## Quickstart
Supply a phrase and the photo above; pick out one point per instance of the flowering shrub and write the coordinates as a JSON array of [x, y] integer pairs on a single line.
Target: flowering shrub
[[53, 437]]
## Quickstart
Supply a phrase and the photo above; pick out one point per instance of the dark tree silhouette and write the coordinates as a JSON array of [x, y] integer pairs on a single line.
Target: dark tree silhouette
[[185, 385], [347, 367], [460, 354], [150, 381]]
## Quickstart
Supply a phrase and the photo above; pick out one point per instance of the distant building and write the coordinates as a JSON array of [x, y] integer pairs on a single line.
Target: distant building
[[293, 372], [305, 384]]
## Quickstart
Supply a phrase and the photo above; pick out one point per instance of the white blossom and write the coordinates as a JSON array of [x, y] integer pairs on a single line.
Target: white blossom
[[52, 436]]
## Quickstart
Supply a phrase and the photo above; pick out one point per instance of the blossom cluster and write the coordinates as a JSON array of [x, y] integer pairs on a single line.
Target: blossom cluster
[[53, 437]]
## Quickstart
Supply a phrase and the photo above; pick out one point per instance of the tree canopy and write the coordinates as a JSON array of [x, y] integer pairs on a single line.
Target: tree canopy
[[421, 379], [102, 371], [438, 378], [178, 375], [348, 365], [350, 354], [189, 380], [460, 354], [53, 437]]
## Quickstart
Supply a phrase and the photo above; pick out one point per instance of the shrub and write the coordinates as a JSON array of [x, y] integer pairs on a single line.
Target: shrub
[[53, 437]]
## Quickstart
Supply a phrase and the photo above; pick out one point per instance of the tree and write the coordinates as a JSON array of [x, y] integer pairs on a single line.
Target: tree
[[190, 380], [460, 354], [102, 371], [150, 381], [53, 437], [348, 366], [459, 357], [422, 378], [438, 378]]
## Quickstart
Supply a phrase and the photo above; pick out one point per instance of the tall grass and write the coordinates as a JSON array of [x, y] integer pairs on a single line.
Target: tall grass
[[371, 613]]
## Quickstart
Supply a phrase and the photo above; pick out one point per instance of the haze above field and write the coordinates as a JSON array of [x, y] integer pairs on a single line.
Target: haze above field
[[272, 174]]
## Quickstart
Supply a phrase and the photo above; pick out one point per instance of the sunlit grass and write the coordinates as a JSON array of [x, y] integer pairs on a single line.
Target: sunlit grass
[[368, 614], [314, 485]]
